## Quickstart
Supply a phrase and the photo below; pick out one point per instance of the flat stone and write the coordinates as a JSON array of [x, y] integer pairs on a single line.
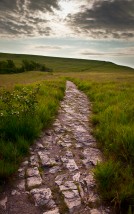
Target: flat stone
[[25, 163], [76, 177], [71, 194], [63, 144], [45, 160], [34, 182], [34, 161], [43, 196], [81, 129], [33, 172], [89, 180], [95, 211], [70, 185], [21, 172], [71, 165], [69, 154], [59, 179], [55, 211], [15, 192], [92, 156], [3, 202], [72, 203], [54, 169], [78, 145], [64, 159], [21, 185], [39, 146]]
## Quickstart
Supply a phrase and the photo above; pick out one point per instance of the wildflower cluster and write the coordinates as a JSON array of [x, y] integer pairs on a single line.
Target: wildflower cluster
[[20, 102]]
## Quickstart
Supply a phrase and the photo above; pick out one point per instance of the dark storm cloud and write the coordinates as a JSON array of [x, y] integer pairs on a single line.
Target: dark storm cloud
[[23, 18], [7, 5], [43, 5], [106, 18]]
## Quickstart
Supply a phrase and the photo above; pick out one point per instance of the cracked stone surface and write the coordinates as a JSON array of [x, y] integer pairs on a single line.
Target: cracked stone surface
[[57, 177]]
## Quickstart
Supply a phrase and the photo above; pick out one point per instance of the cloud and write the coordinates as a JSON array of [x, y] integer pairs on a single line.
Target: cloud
[[104, 19], [119, 52], [43, 5], [26, 17], [48, 47]]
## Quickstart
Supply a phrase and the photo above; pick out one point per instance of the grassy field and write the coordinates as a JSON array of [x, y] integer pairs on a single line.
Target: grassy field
[[110, 88], [112, 97]]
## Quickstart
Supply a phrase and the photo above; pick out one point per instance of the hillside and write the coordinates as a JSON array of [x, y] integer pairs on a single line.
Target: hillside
[[67, 64]]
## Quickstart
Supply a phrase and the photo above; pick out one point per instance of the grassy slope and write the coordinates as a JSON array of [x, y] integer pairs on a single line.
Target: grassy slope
[[67, 65]]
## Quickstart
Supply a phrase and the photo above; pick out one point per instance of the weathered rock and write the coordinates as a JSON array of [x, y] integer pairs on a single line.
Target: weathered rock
[[25, 163], [71, 194], [70, 185], [21, 185], [69, 154], [15, 192], [45, 160], [34, 161], [76, 177], [43, 196], [3, 203], [59, 179], [95, 211], [81, 129], [54, 169], [39, 146], [32, 172], [34, 182], [55, 211], [89, 180], [71, 165], [72, 203], [21, 172], [92, 156]]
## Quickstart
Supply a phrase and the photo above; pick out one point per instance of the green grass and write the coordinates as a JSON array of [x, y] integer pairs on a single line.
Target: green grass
[[65, 64], [18, 130], [113, 114]]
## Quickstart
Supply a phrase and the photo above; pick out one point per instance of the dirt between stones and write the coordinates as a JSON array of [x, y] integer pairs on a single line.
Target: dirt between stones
[[57, 177]]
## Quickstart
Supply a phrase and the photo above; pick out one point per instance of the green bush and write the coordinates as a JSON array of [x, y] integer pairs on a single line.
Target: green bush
[[9, 67]]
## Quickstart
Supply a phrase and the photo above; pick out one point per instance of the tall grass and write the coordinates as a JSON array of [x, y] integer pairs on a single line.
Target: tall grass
[[24, 112], [113, 121]]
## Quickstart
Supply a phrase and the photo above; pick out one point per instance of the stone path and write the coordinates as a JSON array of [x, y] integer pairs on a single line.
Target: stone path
[[57, 178]]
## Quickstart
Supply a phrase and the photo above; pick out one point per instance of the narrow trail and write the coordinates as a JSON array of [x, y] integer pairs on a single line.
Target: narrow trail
[[57, 177]]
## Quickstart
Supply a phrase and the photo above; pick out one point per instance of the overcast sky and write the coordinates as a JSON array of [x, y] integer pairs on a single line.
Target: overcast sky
[[88, 29]]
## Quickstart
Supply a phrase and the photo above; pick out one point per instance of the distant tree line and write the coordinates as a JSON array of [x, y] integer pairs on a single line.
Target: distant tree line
[[9, 67]]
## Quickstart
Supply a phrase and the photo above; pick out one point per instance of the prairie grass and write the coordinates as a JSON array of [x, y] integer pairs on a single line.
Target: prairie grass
[[113, 122]]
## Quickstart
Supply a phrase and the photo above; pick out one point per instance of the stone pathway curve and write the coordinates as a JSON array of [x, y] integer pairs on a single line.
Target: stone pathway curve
[[57, 178]]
